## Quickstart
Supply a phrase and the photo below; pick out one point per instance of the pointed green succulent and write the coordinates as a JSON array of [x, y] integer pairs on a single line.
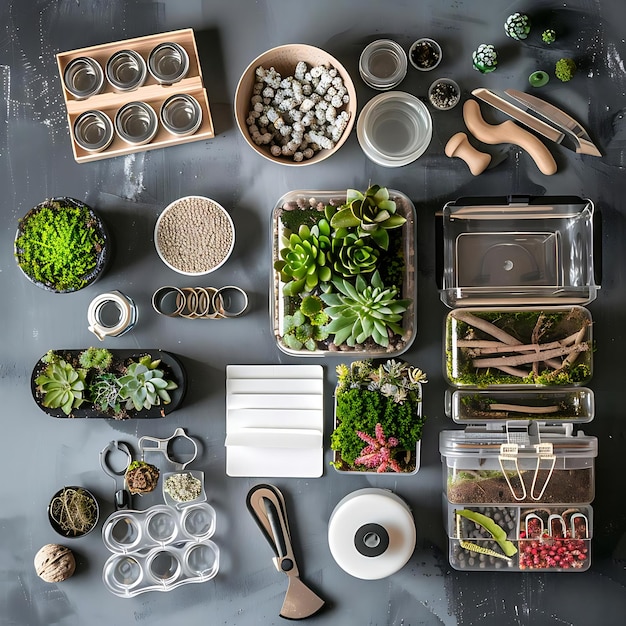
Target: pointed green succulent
[[364, 310], [144, 385], [62, 385], [352, 255], [304, 263], [372, 214]]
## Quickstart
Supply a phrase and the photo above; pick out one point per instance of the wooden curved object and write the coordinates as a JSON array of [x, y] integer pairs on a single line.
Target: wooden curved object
[[459, 146], [508, 132]]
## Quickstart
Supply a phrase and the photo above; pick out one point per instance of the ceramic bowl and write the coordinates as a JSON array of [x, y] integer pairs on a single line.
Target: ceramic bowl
[[284, 60]]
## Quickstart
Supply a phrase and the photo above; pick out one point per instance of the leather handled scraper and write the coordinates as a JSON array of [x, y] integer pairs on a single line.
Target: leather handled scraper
[[267, 506]]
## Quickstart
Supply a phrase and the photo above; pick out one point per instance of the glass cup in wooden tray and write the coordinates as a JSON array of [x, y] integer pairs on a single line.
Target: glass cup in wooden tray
[[404, 248], [108, 101], [552, 538]]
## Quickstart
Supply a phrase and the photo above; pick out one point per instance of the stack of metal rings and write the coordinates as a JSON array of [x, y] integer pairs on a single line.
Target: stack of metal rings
[[208, 303]]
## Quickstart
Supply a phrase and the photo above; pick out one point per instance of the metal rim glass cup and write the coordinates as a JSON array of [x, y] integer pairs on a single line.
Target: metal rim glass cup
[[444, 94], [83, 77], [168, 63], [126, 70], [93, 131], [181, 114], [428, 57], [383, 64], [136, 123], [394, 129]]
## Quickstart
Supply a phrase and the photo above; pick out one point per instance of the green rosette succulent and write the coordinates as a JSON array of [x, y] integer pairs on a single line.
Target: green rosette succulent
[[62, 385], [304, 263], [362, 310], [352, 255], [372, 214], [485, 58], [517, 26], [144, 385]]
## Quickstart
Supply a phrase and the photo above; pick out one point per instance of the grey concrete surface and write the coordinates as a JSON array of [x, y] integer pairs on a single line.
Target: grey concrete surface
[[40, 454]]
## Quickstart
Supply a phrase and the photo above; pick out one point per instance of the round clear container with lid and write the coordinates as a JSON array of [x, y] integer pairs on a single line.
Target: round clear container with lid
[[383, 64]]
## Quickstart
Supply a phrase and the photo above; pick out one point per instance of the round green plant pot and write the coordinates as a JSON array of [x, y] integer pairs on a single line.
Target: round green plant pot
[[56, 279]]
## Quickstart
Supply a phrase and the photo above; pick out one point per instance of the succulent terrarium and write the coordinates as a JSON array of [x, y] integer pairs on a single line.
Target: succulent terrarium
[[344, 272], [378, 417]]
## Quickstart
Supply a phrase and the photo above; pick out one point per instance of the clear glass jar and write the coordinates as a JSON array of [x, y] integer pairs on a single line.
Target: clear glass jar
[[383, 64]]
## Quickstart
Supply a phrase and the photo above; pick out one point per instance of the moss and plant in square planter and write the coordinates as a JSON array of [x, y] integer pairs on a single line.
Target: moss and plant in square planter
[[97, 382], [342, 282], [378, 416]]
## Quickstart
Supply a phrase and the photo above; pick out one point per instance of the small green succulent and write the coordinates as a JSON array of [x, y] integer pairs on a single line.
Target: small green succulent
[[548, 36], [144, 385], [517, 26], [104, 391], [351, 255], [62, 386], [96, 358], [485, 58], [565, 69], [304, 263], [307, 325], [372, 214], [362, 310]]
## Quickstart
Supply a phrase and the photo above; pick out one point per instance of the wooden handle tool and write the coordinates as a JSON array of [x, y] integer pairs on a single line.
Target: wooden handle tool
[[459, 146], [508, 132]]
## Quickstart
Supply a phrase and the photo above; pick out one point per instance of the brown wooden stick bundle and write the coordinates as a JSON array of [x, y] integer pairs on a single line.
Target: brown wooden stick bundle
[[522, 359], [519, 408], [485, 326]]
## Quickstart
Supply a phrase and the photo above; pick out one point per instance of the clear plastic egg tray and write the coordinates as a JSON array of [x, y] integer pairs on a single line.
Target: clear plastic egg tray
[[159, 549]]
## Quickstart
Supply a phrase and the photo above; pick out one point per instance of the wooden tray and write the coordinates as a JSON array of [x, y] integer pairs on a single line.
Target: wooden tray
[[151, 92]]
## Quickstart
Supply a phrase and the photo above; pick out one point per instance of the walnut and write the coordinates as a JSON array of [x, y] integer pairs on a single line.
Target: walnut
[[54, 563]]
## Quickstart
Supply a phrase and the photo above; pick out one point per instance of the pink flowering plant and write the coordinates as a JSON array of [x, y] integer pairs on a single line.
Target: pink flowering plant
[[377, 404]]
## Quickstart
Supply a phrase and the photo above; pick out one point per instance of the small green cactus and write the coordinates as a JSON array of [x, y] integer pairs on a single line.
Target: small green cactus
[[548, 36], [104, 391], [96, 358], [565, 69], [485, 58], [517, 26], [303, 263]]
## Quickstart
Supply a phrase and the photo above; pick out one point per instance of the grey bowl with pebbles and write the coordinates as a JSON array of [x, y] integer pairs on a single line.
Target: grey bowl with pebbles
[[194, 235]]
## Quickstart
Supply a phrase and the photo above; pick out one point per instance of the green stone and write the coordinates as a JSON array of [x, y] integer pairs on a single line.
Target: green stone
[[538, 79]]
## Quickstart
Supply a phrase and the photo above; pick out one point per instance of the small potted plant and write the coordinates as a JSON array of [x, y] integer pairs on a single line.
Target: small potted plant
[[378, 417], [62, 245], [97, 382]]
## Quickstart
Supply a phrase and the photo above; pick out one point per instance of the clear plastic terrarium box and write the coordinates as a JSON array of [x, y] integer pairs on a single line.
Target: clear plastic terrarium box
[[518, 464], [518, 347], [552, 405], [281, 305], [519, 251], [553, 538]]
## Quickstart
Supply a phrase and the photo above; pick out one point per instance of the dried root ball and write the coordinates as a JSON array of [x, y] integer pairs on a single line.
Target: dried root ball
[[54, 563]]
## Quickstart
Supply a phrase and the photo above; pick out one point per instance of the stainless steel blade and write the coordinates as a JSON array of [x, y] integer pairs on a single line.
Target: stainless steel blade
[[572, 128], [492, 98]]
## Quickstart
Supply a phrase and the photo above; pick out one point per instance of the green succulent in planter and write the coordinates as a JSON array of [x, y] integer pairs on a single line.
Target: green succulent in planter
[[361, 310], [378, 405], [104, 391], [371, 213], [144, 385], [517, 26], [304, 263], [96, 358], [62, 385], [352, 255], [307, 325]]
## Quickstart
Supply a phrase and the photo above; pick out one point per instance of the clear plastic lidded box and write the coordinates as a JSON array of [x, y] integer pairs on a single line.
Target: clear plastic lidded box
[[530, 346], [511, 252], [520, 538], [518, 463], [402, 246]]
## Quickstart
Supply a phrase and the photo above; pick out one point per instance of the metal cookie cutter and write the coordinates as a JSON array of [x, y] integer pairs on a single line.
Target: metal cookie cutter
[[122, 498], [164, 446], [126, 315]]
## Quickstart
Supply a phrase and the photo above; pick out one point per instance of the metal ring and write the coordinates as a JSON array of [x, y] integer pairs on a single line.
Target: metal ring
[[188, 301], [159, 296], [222, 301], [126, 320]]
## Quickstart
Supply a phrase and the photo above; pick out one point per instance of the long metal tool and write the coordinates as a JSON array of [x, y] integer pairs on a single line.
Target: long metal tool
[[267, 506], [553, 114]]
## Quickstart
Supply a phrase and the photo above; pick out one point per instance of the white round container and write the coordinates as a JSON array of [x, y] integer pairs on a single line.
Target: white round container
[[394, 129], [371, 533]]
